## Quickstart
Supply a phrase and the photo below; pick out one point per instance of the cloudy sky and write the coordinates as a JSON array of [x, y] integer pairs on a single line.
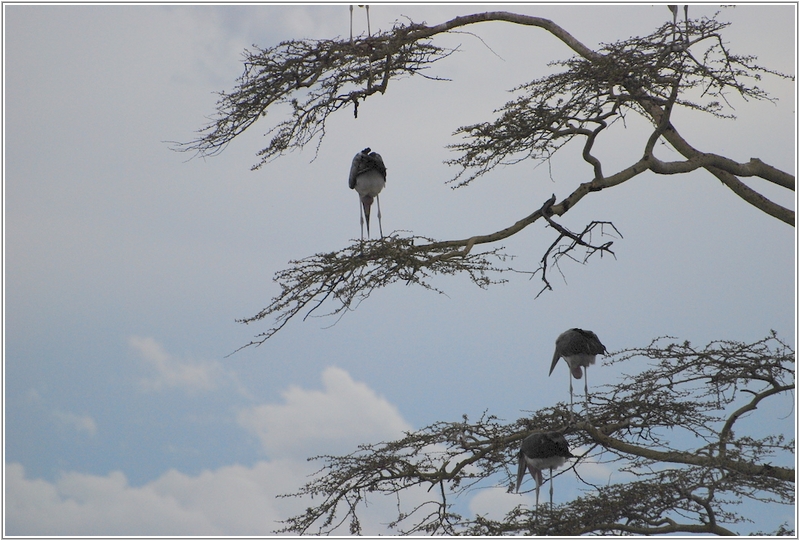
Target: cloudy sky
[[127, 264]]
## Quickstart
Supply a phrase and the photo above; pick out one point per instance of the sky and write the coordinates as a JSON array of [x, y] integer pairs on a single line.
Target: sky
[[127, 264]]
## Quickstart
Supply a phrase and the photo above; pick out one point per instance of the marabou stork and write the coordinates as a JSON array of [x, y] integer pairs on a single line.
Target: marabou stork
[[368, 177], [542, 450], [369, 31], [579, 348], [674, 9]]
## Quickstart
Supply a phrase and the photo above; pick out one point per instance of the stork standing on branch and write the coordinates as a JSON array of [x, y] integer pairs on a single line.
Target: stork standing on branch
[[368, 177], [369, 31], [674, 9], [579, 348], [542, 450]]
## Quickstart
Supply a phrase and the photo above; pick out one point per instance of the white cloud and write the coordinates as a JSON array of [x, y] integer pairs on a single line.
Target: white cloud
[[170, 372], [333, 420], [495, 502], [81, 423], [231, 500], [591, 469]]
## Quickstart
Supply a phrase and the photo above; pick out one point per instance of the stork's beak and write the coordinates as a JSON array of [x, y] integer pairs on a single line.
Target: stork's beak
[[366, 202]]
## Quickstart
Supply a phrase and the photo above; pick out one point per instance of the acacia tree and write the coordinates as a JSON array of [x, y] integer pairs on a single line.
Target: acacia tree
[[672, 428], [677, 66], [702, 393]]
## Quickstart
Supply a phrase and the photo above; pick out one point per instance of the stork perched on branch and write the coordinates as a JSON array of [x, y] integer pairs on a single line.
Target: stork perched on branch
[[579, 348], [368, 177], [542, 450], [674, 9], [369, 31]]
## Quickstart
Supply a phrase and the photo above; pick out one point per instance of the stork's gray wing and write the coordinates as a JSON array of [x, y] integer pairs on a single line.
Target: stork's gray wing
[[592, 343], [536, 445], [565, 346], [376, 162], [558, 445], [578, 341], [363, 162], [354, 170]]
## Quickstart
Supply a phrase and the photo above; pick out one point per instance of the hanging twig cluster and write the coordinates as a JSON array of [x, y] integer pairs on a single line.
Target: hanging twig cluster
[[349, 276]]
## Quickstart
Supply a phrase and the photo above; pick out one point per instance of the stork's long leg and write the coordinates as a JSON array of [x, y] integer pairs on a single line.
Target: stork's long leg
[[586, 390], [380, 226], [686, 15], [551, 489], [672, 8], [351, 24], [369, 32], [571, 407]]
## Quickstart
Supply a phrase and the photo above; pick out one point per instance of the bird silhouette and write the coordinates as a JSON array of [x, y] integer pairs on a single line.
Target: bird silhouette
[[542, 450], [579, 348], [368, 177]]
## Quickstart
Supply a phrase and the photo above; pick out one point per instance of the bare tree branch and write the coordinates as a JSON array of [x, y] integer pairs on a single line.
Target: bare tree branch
[[351, 275], [656, 424], [649, 76]]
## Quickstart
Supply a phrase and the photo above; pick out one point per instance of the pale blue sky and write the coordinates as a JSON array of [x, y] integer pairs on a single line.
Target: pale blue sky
[[126, 264]]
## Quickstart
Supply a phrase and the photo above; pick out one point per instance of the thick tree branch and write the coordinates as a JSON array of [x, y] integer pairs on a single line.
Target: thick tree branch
[[505, 16], [753, 168], [671, 528], [727, 430], [721, 168], [782, 474]]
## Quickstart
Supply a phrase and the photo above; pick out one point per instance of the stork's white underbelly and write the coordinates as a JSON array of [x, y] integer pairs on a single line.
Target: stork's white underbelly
[[544, 463], [370, 183], [580, 359]]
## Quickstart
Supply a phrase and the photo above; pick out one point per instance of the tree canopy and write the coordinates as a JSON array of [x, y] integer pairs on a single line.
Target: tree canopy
[[667, 428], [688, 65], [671, 429]]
